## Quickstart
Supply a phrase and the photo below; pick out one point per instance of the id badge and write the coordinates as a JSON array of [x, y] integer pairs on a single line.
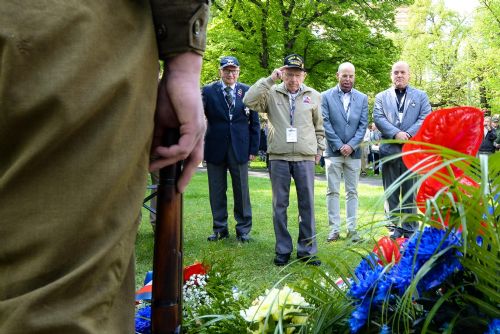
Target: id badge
[[291, 135]]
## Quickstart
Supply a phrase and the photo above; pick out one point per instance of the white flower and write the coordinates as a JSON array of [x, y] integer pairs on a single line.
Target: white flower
[[276, 303]]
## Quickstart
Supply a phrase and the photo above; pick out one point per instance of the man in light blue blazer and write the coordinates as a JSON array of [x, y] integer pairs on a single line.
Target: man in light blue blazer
[[398, 113], [345, 119]]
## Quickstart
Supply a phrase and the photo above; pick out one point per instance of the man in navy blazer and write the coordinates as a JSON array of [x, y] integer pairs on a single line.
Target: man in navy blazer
[[345, 118], [231, 140], [398, 113]]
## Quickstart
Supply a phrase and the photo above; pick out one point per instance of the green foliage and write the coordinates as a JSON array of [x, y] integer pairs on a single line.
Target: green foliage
[[433, 45], [483, 54], [326, 33], [332, 306], [454, 58]]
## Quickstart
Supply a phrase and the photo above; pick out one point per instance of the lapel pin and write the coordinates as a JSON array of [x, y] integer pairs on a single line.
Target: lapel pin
[[247, 111]]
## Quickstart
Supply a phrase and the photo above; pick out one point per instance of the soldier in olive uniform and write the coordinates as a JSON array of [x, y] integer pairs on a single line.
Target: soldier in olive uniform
[[78, 88]]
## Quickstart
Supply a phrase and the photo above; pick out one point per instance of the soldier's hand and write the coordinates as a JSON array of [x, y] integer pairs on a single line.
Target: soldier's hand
[[179, 105]]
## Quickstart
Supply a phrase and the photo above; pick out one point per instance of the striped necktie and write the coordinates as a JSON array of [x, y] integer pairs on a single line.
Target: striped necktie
[[229, 100]]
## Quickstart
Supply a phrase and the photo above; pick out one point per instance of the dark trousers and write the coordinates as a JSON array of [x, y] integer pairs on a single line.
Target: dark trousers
[[217, 187], [391, 171], [373, 158], [281, 172]]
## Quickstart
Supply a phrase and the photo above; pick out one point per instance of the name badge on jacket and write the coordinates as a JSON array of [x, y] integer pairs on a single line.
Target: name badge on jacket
[[291, 135]]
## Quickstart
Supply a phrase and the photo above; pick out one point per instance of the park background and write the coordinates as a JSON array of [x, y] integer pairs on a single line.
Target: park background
[[453, 56]]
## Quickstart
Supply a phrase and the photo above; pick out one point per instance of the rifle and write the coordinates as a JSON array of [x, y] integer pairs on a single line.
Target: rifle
[[167, 259]]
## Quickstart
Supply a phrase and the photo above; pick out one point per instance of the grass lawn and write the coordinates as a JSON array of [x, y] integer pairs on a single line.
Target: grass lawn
[[252, 263]]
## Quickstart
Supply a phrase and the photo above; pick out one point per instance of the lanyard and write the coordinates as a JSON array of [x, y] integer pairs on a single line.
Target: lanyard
[[292, 98], [401, 105]]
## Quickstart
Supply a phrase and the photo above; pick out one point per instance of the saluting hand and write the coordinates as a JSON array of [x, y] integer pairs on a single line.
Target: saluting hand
[[277, 74]]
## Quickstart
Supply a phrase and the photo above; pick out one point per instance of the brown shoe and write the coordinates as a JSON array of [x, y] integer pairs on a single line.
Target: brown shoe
[[333, 237]]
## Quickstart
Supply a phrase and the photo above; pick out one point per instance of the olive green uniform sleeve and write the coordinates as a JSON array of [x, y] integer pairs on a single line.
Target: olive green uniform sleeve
[[180, 26]]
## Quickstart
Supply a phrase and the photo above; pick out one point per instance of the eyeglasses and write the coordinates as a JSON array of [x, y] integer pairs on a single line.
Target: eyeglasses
[[293, 75], [230, 71]]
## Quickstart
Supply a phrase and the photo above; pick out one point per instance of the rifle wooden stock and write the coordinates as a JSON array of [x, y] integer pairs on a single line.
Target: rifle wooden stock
[[167, 261]]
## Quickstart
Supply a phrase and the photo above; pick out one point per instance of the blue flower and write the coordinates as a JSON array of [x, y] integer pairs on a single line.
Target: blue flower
[[359, 316], [494, 327], [143, 320], [385, 329], [367, 272], [479, 241], [428, 242], [374, 286], [439, 273]]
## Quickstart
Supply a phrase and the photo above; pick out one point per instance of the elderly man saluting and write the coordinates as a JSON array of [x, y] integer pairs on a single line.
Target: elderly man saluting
[[295, 143]]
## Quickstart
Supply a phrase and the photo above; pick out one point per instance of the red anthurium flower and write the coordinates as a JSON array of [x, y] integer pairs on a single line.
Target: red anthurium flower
[[196, 268], [457, 128], [430, 187], [387, 250]]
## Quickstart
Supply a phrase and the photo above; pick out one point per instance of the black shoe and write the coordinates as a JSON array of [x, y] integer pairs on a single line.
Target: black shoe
[[218, 236], [310, 260], [244, 237], [333, 237], [281, 259]]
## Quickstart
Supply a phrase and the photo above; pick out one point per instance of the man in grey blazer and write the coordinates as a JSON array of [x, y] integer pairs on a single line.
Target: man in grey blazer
[[398, 113], [345, 119]]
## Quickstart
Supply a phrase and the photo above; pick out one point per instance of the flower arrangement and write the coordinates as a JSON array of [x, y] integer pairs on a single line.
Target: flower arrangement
[[194, 295], [443, 280], [375, 286], [194, 290], [209, 306], [277, 308]]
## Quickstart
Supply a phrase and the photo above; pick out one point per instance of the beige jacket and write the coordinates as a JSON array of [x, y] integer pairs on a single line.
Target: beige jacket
[[264, 96]]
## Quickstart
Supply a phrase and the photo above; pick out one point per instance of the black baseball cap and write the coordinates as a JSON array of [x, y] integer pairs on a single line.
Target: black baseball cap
[[229, 61], [294, 61]]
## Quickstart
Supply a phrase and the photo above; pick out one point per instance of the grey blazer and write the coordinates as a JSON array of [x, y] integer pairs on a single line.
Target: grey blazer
[[339, 129], [385, 116]]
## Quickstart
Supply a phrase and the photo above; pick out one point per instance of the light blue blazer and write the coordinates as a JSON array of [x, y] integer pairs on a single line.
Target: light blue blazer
[[339, 129], [386, 118]]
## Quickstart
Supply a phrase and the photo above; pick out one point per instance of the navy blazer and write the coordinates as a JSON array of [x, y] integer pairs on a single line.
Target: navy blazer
[[242, 132], [385, 116], [338, 129]]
